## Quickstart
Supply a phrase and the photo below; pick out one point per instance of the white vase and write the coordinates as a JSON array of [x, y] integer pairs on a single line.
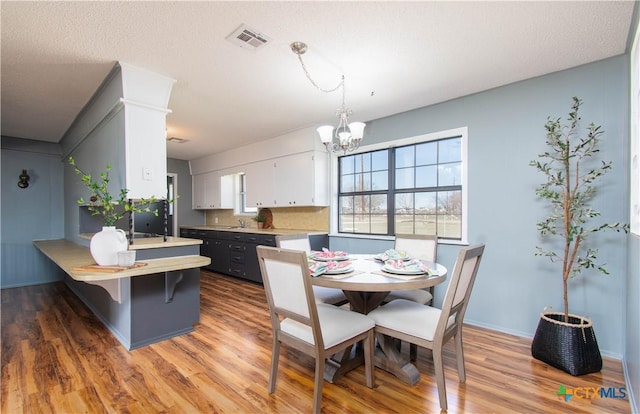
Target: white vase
[[106, 244]]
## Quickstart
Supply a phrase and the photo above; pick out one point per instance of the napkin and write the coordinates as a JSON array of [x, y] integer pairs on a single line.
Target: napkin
[[317, 268], [413, 265], [327, 254]]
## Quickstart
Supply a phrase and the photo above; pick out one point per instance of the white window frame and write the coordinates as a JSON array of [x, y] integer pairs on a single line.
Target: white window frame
[[634, 129]]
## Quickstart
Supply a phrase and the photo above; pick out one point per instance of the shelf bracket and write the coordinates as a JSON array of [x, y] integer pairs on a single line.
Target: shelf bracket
[[171, 280]]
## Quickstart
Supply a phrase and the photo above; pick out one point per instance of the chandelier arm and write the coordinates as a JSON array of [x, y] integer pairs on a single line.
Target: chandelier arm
[[306, 72]]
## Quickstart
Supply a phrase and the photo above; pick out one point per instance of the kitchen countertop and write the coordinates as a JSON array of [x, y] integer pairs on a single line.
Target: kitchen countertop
[[254, 230], [69, 256]]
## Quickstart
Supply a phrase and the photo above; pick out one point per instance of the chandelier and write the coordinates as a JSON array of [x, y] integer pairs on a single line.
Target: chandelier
[[345, 136]]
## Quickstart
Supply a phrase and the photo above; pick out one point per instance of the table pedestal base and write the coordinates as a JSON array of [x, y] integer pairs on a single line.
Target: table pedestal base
[[387, 357]]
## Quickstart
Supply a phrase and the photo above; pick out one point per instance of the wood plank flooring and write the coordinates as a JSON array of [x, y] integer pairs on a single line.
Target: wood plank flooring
[[58, 358]]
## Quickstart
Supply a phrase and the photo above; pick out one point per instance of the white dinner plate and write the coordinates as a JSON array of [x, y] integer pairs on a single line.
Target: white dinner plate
[[383, 257], [396, 271], [339, 271], [329, 259]]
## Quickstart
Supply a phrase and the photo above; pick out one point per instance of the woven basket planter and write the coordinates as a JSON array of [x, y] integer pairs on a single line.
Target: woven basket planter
[[571, 347]]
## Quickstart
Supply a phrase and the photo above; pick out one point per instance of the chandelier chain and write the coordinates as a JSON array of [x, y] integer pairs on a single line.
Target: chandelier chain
[[306, 72]]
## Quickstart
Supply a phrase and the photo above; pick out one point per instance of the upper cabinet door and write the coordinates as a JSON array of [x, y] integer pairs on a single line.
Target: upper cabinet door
[[206, 191], [302, 180], [260, 191]]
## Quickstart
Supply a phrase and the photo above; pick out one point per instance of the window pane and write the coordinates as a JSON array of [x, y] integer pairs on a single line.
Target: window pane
[[426, 213], [427, 153], [449, 174], [347, 183], [346, 165], [363, 182], [363, 162], [379, 224], [362, 217], [404, 156], [404, 178], [380, 180], [346, 214], [379, 203], [450, 150], [380, 160], [450, 214], [426, 176], [404, 214]]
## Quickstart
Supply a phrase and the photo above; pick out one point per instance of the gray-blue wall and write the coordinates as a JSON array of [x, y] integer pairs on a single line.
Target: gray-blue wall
[[506, 131], [29, 214], [186, 215]]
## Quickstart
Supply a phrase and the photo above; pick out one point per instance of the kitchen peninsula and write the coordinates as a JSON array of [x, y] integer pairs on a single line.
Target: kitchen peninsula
[[139, 305]]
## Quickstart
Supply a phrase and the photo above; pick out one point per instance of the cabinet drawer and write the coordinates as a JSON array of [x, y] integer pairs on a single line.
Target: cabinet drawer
[[236, 247], [237, 257], [236, 269], [240, 237]]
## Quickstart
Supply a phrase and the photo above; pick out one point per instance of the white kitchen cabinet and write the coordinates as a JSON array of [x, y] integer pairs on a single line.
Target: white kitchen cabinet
[[302, 180], [211, 190], [260, 191], [293, 180]]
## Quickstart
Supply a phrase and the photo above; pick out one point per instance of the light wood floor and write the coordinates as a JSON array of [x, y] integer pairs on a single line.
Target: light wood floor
[[58, 358]]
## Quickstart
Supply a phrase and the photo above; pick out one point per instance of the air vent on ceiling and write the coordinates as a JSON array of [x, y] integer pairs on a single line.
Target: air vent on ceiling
[[247, 38]]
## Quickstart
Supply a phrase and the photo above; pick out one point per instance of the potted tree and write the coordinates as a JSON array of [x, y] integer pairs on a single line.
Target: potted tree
[[564, 340], [105, 244]]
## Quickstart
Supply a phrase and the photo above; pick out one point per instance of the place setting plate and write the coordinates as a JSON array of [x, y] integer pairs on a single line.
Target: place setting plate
[[392, 254], [413, 267], [328, 256]]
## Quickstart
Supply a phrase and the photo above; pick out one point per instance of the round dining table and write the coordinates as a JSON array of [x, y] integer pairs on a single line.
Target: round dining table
[[366, 288]]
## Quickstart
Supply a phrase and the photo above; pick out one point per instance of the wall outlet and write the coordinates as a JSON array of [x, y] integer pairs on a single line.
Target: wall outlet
[[147, 174], [215, 220]]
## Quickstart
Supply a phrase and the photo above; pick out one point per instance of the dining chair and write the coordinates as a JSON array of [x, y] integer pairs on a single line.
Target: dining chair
[[429, 327], [317, 329], [301, 242], [423, 247]]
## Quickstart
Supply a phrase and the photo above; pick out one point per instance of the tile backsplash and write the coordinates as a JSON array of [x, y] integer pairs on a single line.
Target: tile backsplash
[[299, 218]]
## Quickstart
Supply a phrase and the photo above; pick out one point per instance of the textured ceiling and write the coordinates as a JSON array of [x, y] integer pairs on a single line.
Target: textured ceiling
[[395, 56]]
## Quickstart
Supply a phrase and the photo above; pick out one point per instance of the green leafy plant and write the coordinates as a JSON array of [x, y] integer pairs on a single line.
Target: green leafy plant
[[260, 217], [102, 203], [569, 186]]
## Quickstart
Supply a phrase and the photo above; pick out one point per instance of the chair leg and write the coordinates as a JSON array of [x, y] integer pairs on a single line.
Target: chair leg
[[413, 352], [460, 356], [369, 345], [439, 371], [275, 356], [318, 383]]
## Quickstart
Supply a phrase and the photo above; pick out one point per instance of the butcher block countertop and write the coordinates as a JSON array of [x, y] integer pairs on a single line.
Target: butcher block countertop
[[255, 230], [71, 256]]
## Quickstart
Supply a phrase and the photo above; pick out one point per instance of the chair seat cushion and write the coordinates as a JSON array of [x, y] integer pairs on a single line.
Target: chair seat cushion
[[328, 295], [337, 325], [408, 317], [416, 295]]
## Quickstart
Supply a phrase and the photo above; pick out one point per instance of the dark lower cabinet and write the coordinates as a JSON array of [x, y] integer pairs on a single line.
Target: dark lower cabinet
[[231, 253]]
